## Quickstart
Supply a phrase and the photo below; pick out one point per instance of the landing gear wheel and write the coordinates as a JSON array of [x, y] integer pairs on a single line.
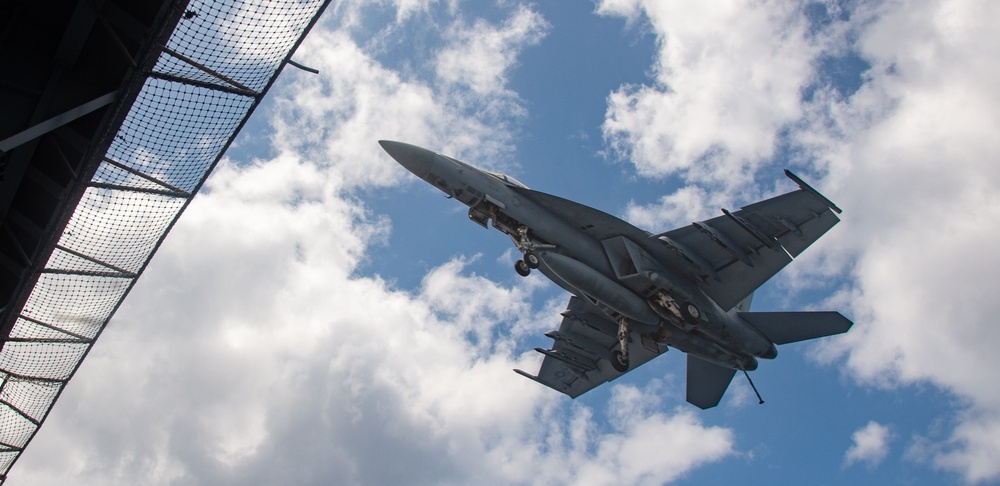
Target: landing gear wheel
[[690, 312], [531, 260], [522, 268], [618, 361]]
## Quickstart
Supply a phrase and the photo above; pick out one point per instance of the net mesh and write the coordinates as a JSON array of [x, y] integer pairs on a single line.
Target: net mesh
[[215, 68]]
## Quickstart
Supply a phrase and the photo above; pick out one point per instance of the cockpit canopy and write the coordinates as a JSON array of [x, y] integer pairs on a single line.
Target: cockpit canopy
[[506, 179]]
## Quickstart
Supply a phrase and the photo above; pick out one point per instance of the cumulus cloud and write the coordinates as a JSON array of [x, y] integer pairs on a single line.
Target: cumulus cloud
[[726, 85], [909, 153], [478, 56], [918, 133], [267, 362], [252, 352], [679, 208], [870, 445], [459, 104], [634, 452]]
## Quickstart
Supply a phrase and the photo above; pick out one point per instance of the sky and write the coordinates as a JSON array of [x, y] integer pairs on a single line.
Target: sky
[[320, 316]]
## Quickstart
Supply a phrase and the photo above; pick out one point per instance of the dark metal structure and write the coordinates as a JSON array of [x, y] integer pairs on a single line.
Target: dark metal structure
[[112, 115]]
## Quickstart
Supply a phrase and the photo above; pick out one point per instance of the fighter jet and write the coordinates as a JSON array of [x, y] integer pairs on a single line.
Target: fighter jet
[[636, 294]]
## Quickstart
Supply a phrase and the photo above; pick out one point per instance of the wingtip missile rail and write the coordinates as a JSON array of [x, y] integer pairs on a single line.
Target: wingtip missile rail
[[806, 187]]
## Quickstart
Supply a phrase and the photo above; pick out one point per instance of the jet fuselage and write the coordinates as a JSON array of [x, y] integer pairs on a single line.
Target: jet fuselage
[[652, 300]]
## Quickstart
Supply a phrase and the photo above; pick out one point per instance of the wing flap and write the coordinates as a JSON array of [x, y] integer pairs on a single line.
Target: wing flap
[[706, 382], [578, 360]]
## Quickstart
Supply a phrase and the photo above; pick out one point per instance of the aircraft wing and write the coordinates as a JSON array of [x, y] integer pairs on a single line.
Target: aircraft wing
[[729, 256], [732, 255], [578, 360]]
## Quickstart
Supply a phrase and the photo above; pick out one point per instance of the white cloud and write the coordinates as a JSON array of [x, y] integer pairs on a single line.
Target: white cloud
[[350, 15], [921, 193], [725, 85], [870, 446], [679, 208], [264, 361], [910, 156], [478, 56], [460, 105], [972, 448], [337, 117], [251, 352]]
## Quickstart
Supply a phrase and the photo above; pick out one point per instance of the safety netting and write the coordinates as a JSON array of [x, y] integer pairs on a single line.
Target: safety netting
[[218, 64]]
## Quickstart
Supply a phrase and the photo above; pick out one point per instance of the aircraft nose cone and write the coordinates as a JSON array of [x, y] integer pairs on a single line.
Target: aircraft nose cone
[[415, 159]]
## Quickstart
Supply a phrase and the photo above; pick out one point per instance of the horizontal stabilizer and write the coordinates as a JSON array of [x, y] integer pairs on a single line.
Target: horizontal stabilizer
[[706, 382], [790, 327]]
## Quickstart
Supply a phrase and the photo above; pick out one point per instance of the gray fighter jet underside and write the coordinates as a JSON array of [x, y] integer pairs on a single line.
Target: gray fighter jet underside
[[636, 294]]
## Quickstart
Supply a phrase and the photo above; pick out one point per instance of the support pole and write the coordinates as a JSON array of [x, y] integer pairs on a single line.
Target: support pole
[[55, 122]]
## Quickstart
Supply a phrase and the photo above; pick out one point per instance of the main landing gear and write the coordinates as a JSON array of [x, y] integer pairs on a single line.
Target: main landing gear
[[690, 312], [619, 357], [686, 311]]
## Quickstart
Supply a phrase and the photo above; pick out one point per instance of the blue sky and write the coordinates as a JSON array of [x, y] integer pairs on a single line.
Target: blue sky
[[320, 316]]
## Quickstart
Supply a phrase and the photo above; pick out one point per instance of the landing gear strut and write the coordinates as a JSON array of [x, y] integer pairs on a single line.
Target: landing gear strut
[[527, 247], [619, 357]]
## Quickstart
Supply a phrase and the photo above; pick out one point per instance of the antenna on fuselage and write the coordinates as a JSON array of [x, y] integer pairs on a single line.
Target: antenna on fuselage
[[760, 400]]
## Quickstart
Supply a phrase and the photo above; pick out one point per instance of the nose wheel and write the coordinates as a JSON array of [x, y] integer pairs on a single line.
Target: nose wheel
[[531, 260], [524, 267]]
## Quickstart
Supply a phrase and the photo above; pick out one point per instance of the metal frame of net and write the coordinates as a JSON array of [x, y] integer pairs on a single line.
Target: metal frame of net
[[204, 83]]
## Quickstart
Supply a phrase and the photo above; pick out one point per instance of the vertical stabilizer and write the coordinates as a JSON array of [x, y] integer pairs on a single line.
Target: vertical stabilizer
[[706, 382]]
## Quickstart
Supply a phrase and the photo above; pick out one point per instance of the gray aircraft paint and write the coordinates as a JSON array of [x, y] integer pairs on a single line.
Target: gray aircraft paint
[[637, 294]]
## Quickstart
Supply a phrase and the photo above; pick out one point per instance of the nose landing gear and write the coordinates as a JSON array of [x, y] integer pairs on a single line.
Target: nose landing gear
[[524, 267], [527, 246], [531, 260]]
